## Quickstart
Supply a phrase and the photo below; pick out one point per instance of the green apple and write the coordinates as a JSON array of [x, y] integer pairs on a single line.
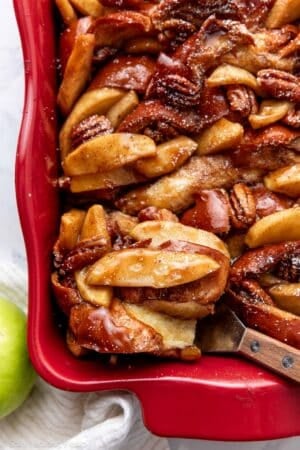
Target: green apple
[[16, 372]]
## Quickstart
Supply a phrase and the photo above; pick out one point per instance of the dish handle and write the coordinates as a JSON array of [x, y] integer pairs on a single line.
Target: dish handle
[[188, 407]]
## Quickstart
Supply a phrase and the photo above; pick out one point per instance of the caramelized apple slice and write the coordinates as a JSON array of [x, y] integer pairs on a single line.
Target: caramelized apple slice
[[117, 113], [278, 227], [113, 29], [143, 45], [77, 72], [88, 7], [122, 329], [108, 152], [222, 135], [140, 267], [122, 176], [285, 180], [96, 295], [161, 231], [122, 223], [68, 38], [170, 156], [70, 227], [66, 10], [176, 191], [95, 224], [175, 332], [283, 12], [97, 101], [287, 297], [270, 112], [226, 74]]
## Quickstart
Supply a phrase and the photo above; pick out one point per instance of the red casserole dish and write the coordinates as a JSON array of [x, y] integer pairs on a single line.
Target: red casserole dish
[[220, 398]]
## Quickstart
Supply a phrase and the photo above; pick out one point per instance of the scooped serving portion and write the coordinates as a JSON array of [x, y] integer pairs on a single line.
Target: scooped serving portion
[[179, 147]]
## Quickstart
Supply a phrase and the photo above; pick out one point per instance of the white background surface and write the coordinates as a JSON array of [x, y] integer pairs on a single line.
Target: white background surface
[[11, 243]]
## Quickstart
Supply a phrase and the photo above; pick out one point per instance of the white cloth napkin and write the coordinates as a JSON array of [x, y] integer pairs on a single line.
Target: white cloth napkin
[[55, 419]]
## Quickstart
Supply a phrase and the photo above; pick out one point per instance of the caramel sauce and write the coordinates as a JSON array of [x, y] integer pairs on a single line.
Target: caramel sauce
[[101, 333], [125, 72], [211, 212], [267, 202]]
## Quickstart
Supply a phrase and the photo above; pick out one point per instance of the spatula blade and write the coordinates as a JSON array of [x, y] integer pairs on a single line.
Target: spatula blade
[[221, 332], [224, 332]]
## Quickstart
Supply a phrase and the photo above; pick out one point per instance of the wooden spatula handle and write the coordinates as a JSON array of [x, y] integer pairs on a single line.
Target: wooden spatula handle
[[271, 353]]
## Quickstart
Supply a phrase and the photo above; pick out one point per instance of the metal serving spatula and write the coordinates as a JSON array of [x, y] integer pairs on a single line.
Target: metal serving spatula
[[224, 332]]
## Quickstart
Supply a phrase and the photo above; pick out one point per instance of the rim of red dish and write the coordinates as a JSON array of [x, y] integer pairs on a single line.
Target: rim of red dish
[[218, 398]]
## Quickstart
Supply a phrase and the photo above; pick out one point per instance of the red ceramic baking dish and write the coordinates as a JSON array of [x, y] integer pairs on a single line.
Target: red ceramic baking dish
[[216, 398]]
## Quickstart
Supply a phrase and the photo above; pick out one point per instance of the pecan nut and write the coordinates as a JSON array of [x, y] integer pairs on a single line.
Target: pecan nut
[[179, 80], [252, 301], [242, 100], [90, 128], [279, 84], [191, 12], [292, 119], [292, 46], [160, 122], [177, 20], [242, 206], [289, 268]]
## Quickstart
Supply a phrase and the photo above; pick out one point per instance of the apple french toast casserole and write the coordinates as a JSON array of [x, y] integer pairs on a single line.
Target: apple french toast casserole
[[179, 146]]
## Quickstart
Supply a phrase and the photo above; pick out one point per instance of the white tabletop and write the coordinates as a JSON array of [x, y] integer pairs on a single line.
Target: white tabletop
[[11, 242]]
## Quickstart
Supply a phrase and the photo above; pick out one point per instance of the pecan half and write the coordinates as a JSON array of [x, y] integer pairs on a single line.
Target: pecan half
[[242, 206], [192, 11], [174, 84], [279, 84], [242, 100], [292, 47], [160, 122], [267, 148], [218, 212], [289, 268], [90, 128], [178, 19], [251, 300], [84, 253], [292, 119], [179, 79]]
